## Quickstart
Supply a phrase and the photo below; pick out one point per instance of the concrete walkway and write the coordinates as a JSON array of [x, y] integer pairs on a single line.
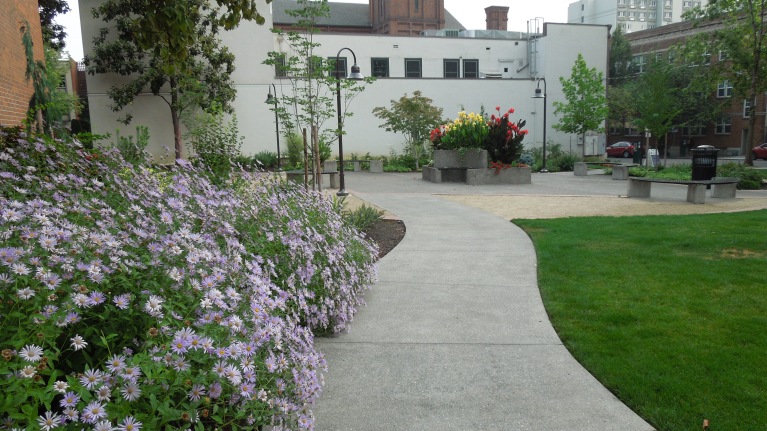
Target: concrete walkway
[[455, 335]]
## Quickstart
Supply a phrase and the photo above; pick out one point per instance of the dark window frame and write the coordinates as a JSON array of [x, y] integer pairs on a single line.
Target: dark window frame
[[474, 74], [341, 66], [451, 73], [384, 62], [417, 61]]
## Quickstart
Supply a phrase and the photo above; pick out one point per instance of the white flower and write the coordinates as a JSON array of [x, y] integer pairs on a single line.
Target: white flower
[[25, 293], [31, 353], [28, 372], [60, 387], [49, 421], [78, 342]]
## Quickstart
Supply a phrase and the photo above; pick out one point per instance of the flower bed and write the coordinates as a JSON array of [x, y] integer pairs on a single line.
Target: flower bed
[[133, 298]]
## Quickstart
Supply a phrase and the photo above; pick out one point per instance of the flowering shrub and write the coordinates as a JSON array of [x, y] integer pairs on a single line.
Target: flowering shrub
[[501, 137], [469, 130], [138, 299], [504, 138]]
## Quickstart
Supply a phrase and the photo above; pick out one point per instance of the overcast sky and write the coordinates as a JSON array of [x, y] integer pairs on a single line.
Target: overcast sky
[[471, 13]]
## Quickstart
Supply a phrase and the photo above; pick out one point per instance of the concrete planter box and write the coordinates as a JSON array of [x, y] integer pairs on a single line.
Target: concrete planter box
[[471, 159], [479, 177]]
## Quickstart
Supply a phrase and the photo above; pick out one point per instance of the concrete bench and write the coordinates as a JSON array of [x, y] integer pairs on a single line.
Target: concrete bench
[[376, 166], [620, 170], [298, 177], [639, 187]]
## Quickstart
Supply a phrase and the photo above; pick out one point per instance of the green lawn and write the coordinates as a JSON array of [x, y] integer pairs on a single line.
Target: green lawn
[[668, 312]]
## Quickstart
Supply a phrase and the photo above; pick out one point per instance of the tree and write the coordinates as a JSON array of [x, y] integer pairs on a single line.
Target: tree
[[311, 101], [743, 37], [586, 106], [414, 117], [172, 48], [620, 58], [53, 33], [656, 100]]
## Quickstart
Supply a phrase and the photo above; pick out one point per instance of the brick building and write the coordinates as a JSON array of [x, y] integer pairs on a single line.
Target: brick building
[[392, 17], [15, 91], [728, 133]]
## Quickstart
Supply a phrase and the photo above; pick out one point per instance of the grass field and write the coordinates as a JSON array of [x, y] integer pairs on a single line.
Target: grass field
[[668, 312]]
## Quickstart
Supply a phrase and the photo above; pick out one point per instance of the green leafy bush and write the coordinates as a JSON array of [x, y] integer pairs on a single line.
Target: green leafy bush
[[750, 178], [295, 144], [216, 143], [265, 159], [133, 152], [363, 217]]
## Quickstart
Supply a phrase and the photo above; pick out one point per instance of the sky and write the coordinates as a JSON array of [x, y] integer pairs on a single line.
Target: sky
[[471, 13]]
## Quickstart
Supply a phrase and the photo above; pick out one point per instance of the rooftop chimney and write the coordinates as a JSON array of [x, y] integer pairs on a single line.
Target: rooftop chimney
[[497, 17]]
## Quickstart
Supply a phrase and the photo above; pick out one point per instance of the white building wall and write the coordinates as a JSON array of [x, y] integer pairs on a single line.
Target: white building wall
[[250, 43], [633, 15]]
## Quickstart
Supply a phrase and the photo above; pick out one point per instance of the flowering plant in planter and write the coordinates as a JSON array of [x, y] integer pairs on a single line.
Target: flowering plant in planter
[[467, 131], [504, 139]]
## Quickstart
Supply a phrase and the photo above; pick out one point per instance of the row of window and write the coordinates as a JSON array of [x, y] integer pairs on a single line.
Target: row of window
[[379, 66], [722, 127], [654, 3]]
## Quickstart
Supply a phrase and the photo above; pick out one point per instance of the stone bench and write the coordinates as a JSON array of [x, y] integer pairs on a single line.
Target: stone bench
[[298, 177], [639, 187], [620, 170], [376, 166]]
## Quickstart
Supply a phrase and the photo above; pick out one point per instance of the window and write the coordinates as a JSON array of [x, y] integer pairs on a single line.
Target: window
[[642, 3], [631, 131], [724, 89], [621, 2], [471, 68], [723, 55], [642, 16], [658, 56], [412, 68], [416, 5], [667, 3], [686, 4], [706, 58], [621, 14], [639, 63], [280, 69], [694, 130], [667, 16], [724, 126], [452, 68], [340, 67], [315, 67], [653, 3], [746, 108], [652, 15], [380, 67], [582, 6]]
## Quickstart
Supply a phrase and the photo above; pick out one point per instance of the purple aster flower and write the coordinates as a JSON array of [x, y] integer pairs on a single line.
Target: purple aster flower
[[93, 412], [70, 400], [131, 391], [49, 421], [196, 392], [129, 424]]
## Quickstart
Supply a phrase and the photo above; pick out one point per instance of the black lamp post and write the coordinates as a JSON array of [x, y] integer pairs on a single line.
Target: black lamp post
[[355, 75], [538, 95], [272, 100]]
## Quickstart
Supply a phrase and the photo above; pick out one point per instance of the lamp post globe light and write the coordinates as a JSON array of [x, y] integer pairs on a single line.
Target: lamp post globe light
[[538, 95], [272, 100], [355, 75]]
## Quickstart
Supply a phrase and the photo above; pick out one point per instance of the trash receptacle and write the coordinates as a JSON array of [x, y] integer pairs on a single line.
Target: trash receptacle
[[704, 158]]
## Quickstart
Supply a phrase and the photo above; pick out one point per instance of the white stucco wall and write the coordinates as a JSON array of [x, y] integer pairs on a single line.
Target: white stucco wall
[[250, 43]]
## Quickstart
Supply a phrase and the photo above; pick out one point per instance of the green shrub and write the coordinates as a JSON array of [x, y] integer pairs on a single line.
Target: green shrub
[[216, 143], [134, 152], [363, 217], [750, 178], [295, 144], [265, 159]]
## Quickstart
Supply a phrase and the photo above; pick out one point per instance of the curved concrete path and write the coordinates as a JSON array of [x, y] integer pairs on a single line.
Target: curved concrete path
[[455, 337]]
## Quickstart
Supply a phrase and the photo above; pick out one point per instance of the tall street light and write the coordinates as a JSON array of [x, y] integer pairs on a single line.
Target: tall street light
[[272, 100], [538, 95], [355, 75]]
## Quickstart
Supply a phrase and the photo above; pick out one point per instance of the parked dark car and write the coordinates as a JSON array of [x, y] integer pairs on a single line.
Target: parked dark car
[[760, 152], [620, 149]]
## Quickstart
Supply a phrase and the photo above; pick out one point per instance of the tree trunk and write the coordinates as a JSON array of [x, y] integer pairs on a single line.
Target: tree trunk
[[174, 114], [746, 147]]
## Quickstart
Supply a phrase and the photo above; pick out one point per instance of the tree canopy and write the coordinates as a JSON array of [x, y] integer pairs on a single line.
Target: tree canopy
[[53, 33], [585, 108], [414, 117], [743, 39], [170, 47]]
